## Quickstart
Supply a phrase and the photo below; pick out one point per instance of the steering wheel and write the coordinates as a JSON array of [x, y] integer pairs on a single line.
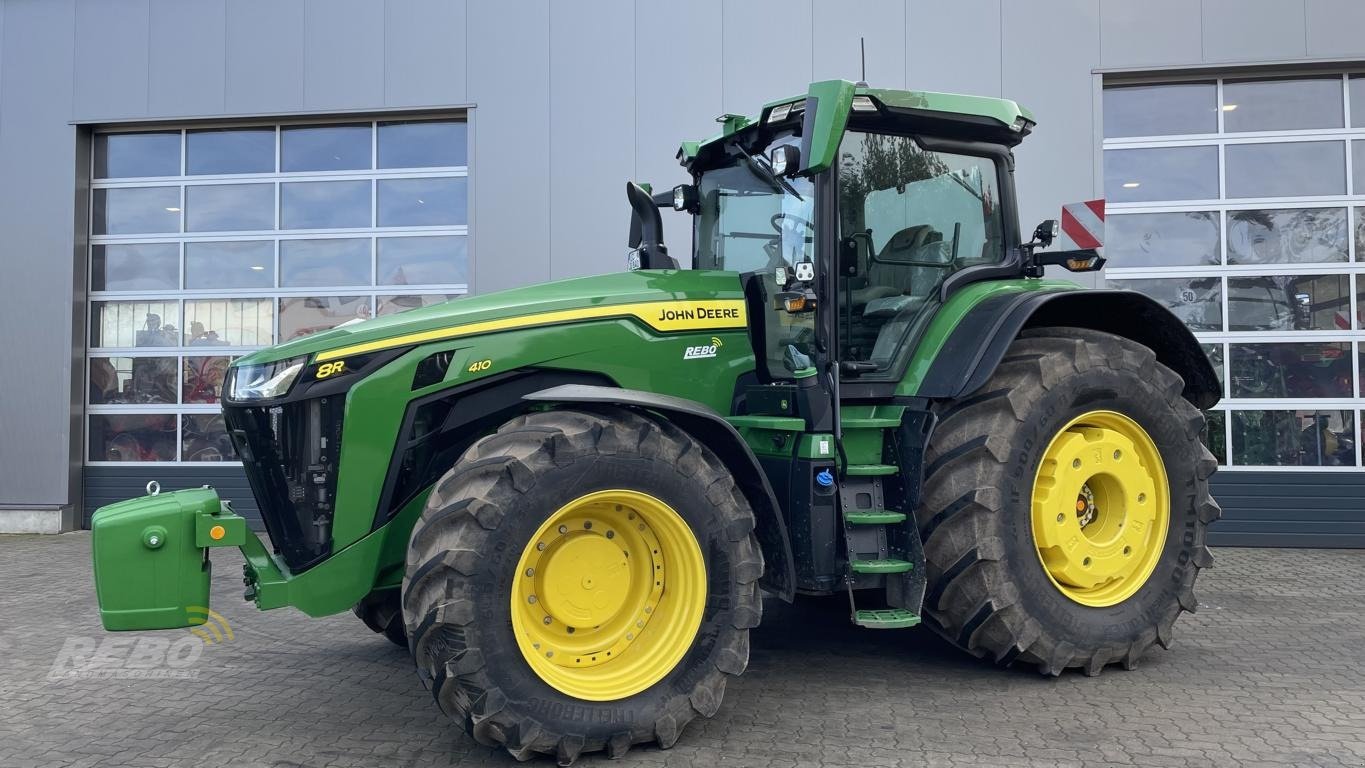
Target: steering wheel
[[778, 220]]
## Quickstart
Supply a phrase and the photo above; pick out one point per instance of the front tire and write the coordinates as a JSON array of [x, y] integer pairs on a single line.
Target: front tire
[[531, 595], [1066, 506]]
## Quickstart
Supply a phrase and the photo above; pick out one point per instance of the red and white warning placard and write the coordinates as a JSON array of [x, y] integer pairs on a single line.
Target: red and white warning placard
[[1083, 223]]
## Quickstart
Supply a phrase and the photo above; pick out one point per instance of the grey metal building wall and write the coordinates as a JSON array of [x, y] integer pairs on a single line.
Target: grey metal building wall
[[569, 99]]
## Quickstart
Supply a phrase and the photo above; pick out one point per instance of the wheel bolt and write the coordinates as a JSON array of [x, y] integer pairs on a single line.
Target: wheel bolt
[[546, 620], [1127, 551], [642, 526], [1075, 463], [1117, 455], [540, 546], [1142, 498], [571, 630], [531, 599], [530, 571], [563, 529], [1061, 518], [587, 525], [549, 654], [611, 534], [1086, 562]]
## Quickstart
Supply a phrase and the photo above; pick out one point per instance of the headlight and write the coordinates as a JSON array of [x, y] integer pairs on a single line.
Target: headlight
[[261, 382]]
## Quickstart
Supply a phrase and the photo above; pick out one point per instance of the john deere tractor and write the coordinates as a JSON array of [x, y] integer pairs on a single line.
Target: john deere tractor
[[565, 500]]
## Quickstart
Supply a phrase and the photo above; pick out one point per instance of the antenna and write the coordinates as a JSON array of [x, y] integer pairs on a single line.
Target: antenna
[[862, 53]]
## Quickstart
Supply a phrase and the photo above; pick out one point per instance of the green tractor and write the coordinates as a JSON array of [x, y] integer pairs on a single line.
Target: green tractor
[[565, 499]]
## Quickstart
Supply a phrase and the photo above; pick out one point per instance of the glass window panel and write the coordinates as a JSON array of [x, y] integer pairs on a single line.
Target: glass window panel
[[423, 144], [1289, 303], [392, 305], [132, 380], [230, 150], [203, 379], [324, 147], [1160, 110], [130, 155], [1357, 86], [135, 267], [1197, 301], [1289, 236], [324, 204], [1214, 352], [422, 202], [1282, 105], [231, 264], [1162, 239], [422, 260], [134, 324], [1293, 369], [1358, 163], [228, 323], [132, 437], [305, 315], [1360, 305], [1215, 435], [203, 437], [1285, 169], [1294, 438], [320, 263], [1165, 173], [135, 210], [230, 207]]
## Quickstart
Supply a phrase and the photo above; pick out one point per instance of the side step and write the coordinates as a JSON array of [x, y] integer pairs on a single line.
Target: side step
[[888, 565], [885, 618], [875, 517]]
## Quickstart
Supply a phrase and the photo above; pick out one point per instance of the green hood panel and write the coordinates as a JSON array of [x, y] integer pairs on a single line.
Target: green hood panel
[[586, 293]]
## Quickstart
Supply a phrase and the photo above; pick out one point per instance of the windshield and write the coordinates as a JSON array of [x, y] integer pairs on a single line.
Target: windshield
[[749, 222]]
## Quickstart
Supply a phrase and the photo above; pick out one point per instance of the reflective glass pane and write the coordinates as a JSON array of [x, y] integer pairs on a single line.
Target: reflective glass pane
[[228, 323], [1214, 352], [1197, 301], [132, 437], [1294, 438], [324, 147], [1160, 110], [135, 267], [392, 305], [324, 204], [135, 210], [134, 323], [130, 155], [1357, 86], [203, 437], [310, 263], [1289, 303], [1292, 369], [230, 150], [422, 144], [132, 380], [1162, 239], [203, 379], [1282, 105], [422, 202], [1285, 169], [1358, 163], [1215, 435], [304, 315], [1360, 306], [230, 207], [1290, 236], [1165, 173], [231, 264], [422, 260]]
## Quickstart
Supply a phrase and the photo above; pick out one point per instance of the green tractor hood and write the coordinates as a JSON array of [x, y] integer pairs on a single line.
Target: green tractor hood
[[619, 294]]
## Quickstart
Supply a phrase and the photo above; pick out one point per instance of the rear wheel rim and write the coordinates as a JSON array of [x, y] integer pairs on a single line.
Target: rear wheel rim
[[608, 595], [1100, 508]]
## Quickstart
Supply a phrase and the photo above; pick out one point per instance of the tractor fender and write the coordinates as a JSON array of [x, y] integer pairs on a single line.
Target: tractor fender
[[979, 342], [712, 430]]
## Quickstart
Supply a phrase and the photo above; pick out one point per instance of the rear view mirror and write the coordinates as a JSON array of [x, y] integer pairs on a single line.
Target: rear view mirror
[[785, 160]]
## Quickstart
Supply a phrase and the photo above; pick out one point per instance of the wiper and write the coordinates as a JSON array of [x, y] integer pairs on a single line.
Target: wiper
[[767, 173]]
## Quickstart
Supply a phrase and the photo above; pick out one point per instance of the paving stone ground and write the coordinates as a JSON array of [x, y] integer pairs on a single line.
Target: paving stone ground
[[1270, 671]]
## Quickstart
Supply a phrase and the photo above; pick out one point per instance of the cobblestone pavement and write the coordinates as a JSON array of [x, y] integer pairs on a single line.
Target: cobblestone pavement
[[1271, 671]]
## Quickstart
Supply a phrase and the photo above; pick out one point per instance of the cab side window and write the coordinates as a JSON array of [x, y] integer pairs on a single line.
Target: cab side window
[[909, 217]]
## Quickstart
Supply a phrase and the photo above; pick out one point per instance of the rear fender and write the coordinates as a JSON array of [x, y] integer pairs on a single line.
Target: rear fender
[[979, 342], [712, 430]]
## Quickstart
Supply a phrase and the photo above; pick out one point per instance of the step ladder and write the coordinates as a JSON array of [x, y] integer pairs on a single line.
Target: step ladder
[[881, 545]]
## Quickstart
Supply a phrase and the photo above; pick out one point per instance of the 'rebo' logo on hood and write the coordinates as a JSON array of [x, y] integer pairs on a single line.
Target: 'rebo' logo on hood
[[704, 350]]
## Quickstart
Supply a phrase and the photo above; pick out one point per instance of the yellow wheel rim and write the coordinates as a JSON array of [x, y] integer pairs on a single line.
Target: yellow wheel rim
[[1101, 507], [609, 595]]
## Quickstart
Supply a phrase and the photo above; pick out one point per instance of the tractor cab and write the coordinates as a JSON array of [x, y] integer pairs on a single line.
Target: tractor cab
[[852, 214]]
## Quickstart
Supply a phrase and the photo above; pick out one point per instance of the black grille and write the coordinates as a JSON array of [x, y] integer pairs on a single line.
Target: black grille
[[290, 453]]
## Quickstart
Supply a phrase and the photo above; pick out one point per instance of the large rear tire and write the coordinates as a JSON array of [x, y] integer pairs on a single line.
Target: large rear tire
[[582, 580], [1066, 504]]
